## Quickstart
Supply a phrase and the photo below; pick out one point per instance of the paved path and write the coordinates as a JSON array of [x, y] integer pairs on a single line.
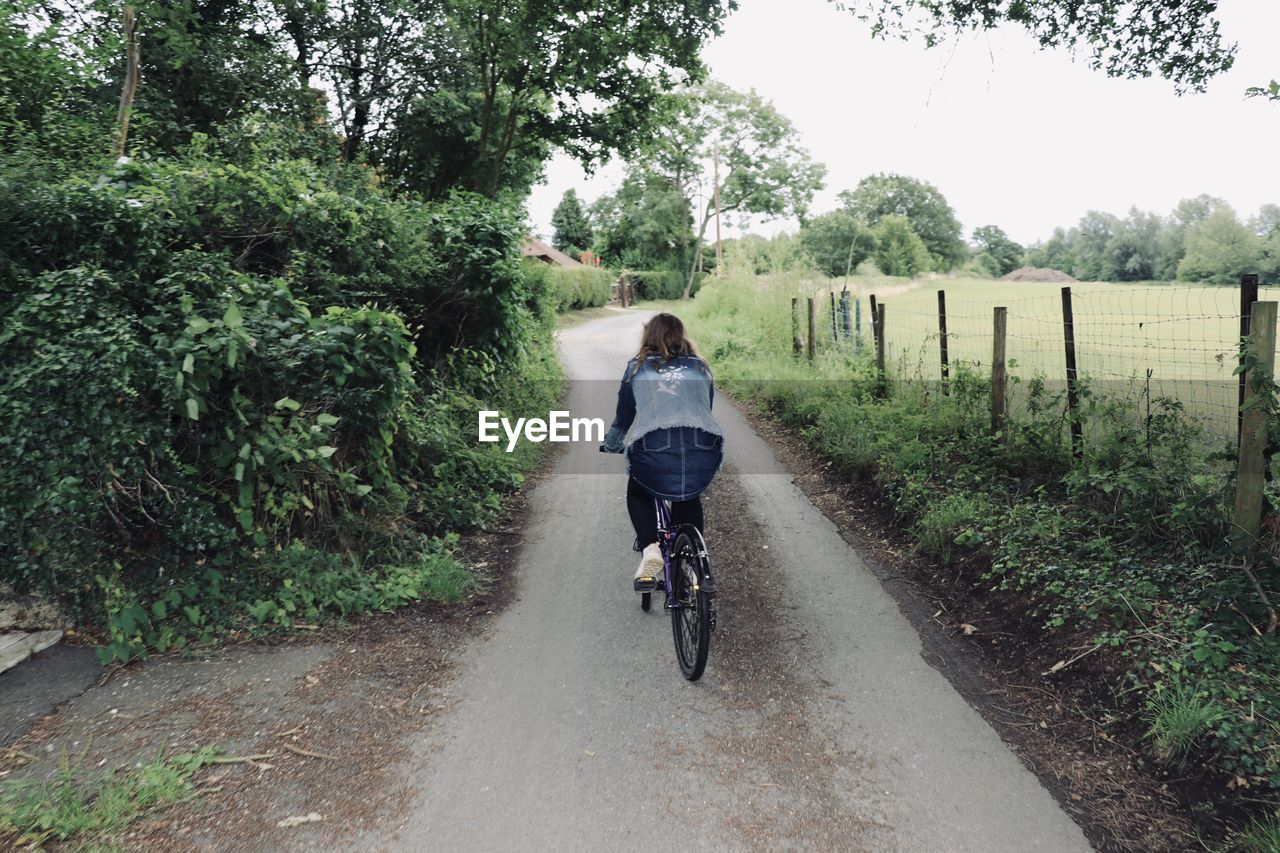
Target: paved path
[[817, 725]]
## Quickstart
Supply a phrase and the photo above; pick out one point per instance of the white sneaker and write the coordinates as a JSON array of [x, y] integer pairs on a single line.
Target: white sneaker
[[650, 569]]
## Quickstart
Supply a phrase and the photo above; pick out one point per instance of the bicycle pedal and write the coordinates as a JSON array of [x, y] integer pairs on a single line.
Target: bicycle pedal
[[646, 584]]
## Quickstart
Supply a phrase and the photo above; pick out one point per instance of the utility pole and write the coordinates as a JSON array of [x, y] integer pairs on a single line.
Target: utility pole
[[719, 252]]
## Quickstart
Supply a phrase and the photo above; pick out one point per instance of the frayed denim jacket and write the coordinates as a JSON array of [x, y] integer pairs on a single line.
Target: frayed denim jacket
[[656, 396], [674, 447]]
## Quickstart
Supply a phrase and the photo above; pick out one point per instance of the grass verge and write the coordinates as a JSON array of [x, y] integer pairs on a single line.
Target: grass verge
[[1121, 555]]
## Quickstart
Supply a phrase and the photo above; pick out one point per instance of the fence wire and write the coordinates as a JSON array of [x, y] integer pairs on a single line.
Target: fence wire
[[1142, 343]]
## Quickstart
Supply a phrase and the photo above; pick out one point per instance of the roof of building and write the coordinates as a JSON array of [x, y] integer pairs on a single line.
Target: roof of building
[[535, 248]]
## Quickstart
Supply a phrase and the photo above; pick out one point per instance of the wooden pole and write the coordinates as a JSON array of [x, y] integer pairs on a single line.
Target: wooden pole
[[719, 250], [796, 343], [835, 325], [1073, 397], [130, 82], [882, 380], [813, 330], [875, 316], [846, 321], [999, 377], [942, 337], [1252, 462], [1248, 296], [857, 323]]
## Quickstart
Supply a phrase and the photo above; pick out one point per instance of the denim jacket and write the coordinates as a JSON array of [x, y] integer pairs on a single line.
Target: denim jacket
[[656, 396]]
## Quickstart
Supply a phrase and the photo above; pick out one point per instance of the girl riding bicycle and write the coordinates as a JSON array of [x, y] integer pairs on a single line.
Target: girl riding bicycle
[[673, 445]]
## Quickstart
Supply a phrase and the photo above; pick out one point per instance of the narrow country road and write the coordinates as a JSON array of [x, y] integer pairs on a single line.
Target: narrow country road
[[818, 725]]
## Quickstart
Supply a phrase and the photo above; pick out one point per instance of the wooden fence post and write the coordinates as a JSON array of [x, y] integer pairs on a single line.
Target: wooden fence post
[[857, 323], [846, 322], [1248, 296], [813, 329], [835, 326], [796, 343], [882, 380], [1073, 398], [942, 337], [875, 317], [1252, 461], [999, 377]]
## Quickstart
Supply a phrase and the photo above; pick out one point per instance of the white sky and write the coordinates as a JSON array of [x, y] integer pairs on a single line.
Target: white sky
[[1011, 135]]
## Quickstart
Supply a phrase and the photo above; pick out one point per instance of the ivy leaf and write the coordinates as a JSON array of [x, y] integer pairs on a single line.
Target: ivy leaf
[[193, 409], [189, 364], [198, 325], [288, 403], [232, 316]]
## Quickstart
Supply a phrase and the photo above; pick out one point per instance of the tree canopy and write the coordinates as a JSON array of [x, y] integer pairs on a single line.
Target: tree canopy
[[569, 219], [1180, 40], [837, 242], [465, 93], [763, 169], [927, 210], [997, 254]]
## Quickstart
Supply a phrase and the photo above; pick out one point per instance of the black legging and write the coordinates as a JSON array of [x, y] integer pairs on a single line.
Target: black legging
[[644, 515]]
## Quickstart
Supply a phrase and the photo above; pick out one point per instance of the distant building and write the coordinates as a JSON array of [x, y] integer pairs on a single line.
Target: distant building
[[548, 254]]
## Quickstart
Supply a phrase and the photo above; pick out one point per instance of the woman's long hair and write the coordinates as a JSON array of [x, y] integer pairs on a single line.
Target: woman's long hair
[[664, 336]]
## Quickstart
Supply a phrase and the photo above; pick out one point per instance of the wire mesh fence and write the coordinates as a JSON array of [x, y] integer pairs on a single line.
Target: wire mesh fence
[[1144, 343]]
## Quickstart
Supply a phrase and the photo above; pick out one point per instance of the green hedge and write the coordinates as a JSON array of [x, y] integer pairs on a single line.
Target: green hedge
[[665, 284], [572, 287], [221, 362]]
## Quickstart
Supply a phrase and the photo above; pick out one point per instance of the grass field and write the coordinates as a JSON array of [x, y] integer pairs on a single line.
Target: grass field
[[1186, 337]]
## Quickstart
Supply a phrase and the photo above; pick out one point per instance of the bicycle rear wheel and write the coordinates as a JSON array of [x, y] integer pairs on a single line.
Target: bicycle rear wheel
[[691, 615]]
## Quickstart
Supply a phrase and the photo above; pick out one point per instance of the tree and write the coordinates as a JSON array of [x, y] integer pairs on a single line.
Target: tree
[[1134, 251], [763, 169], [921, 203], [1219, 249], [836, 242], [997, 254], [899, 249], [1089, 241], [585, 76], [1055, 253], [1267, 226], [572, 230], [644, 225], [1178, 39]]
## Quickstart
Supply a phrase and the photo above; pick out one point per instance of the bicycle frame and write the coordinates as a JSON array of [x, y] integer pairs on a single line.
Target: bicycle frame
[[665, 535]]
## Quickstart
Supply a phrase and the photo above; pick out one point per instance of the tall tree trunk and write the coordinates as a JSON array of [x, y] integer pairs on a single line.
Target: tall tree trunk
[[697, 250]]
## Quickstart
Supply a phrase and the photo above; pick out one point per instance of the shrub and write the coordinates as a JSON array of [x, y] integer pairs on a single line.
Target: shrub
[[667, 284], [221, 356], [572, 287]]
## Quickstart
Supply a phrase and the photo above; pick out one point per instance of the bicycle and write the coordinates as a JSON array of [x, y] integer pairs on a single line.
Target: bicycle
[[689, 591]]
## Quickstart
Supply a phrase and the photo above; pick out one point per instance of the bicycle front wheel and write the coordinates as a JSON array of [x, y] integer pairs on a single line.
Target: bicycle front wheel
[[690, 607]]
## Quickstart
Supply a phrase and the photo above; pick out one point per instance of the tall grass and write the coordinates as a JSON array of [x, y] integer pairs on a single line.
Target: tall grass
[[1125, 549]]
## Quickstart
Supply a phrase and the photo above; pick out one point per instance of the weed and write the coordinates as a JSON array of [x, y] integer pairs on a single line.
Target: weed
[[1260, 835], [1178, 716], [67, 808]]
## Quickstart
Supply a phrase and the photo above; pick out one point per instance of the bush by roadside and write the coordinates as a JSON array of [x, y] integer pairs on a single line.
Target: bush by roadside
[[240, 387], [571, 288]]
